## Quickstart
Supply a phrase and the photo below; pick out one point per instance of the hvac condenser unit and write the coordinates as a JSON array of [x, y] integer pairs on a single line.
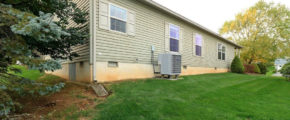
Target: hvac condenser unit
[[170, 63]]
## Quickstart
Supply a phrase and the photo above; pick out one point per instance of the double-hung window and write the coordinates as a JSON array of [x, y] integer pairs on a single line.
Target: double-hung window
[[118, 17], [198, 45], [221, 52], [174, 38]]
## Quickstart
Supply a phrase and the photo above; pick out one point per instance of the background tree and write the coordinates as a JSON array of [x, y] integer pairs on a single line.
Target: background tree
[[263, 30]]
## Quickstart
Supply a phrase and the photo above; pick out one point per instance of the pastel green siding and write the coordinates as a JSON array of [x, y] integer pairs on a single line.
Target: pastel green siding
[[150, 30]]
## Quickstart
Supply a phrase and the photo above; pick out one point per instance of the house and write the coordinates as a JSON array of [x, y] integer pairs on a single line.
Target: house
[[126, 37], [279, 63]]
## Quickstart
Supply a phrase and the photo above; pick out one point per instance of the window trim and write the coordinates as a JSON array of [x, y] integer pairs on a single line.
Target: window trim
[[222, 45], [126, 21], [174, 38]]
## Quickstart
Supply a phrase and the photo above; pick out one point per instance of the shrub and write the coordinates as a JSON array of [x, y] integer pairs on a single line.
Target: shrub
[[252, 68], [285, 69], [263, 68], [6, 104], [249, 68], [269, 64], [256, 69], [237, 66], [274, 71]]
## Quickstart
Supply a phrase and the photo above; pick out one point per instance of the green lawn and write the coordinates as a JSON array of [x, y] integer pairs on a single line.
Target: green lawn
[[26, 73], [225, 96]]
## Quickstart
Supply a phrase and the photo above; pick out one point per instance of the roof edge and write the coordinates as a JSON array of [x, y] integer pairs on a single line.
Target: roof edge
[[167, 10]]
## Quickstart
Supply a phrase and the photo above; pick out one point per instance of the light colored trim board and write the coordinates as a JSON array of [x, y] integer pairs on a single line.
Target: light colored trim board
[[93, 40]]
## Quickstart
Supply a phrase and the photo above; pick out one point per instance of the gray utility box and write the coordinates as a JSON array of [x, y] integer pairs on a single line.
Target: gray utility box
[[170, 63]]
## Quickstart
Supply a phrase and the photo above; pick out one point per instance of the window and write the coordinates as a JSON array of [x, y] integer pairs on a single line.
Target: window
[[174, 38], [198, 45], [221, 52], [112, 64], [118, 17]]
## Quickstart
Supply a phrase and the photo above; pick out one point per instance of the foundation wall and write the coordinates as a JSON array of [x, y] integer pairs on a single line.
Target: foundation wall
[[82, 71], [126, 71]]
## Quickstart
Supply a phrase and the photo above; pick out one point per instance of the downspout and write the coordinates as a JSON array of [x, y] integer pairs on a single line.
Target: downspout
[[93, 40]]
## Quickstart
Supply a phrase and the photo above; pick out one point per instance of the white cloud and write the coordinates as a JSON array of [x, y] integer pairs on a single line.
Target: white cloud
[[211, 13]]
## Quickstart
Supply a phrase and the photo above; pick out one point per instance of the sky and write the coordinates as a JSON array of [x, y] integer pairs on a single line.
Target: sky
[[212, 13]]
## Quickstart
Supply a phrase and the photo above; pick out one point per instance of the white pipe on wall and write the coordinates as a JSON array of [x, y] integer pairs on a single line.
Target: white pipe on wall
[[93, 40]]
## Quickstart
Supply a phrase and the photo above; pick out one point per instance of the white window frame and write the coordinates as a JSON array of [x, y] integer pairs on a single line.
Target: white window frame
[[174, 38], [202, 44], [222, 45], [126, 21]]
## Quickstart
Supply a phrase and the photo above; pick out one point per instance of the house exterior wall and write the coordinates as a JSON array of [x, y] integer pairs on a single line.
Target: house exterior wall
[[150, 30], [133, 52]]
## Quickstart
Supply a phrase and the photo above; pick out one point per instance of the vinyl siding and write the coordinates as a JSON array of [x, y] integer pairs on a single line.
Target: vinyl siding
[[150, 30], [82, 50]]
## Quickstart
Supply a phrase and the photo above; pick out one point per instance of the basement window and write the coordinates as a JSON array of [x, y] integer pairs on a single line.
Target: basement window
[[112, 64], [185, 67]]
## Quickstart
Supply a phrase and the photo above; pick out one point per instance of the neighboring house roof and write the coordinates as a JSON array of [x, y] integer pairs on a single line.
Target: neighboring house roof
[[280, 61], [158, 6]]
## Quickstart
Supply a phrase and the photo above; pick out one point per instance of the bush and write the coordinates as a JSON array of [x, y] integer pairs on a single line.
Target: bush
[[274, 71], [256, 69], [269, 64], [285, 69], [237, 66], [6, 104], [249, 68], [263, 68]]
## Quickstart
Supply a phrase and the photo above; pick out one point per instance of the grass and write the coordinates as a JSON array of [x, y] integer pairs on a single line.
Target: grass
[[26, 73], [225, 96], [270, 71]]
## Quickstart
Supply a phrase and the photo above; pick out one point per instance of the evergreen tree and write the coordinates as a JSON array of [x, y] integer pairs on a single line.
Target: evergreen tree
[[237, 66], [263, 68], [256, 69], [28, 31]]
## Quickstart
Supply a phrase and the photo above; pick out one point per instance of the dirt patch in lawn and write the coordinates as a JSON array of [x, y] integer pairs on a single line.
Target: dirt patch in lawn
[[73, 99]]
